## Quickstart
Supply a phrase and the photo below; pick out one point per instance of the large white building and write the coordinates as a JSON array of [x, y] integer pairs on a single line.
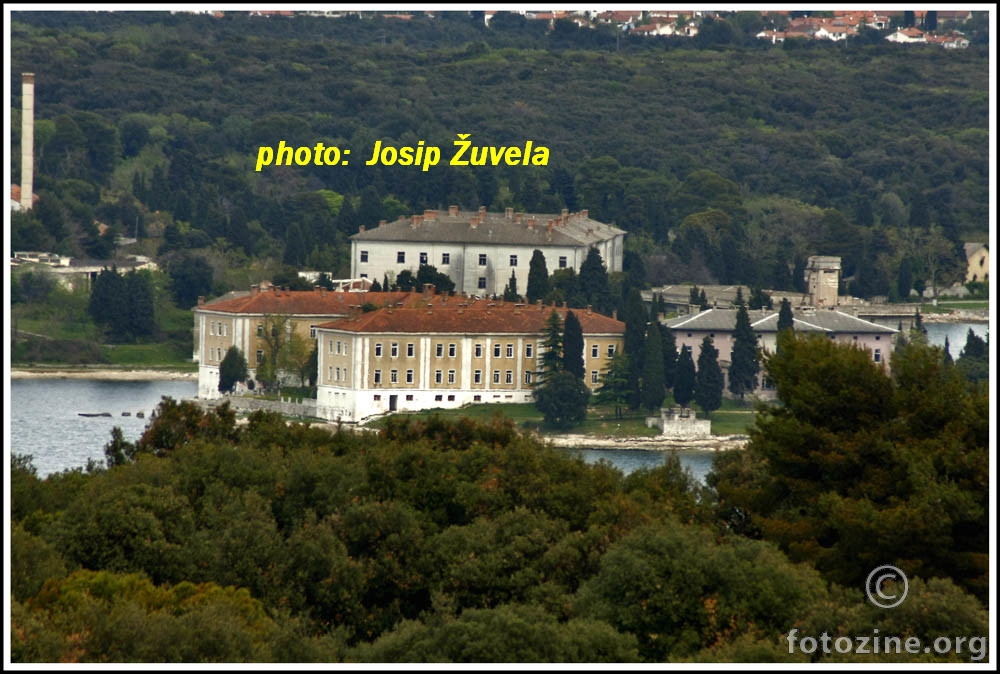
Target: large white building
[[478, 250], [446, 353]]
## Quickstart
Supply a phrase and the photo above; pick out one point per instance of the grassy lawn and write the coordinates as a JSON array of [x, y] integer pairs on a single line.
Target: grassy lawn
[[963, 304], [731, 423], [151, 355]]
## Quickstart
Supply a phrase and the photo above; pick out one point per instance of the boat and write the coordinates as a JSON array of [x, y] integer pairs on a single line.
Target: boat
[[94, 414]]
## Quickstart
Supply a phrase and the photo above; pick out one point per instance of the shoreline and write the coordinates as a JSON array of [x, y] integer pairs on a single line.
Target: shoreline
[[103, 373], [655, 443]]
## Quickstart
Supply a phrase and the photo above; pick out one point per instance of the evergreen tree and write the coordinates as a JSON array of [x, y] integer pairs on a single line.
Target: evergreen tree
[[593, 280], [684, 381], [668, 345], [232, 369], [510, 290], [385, 283], [376, 287], [140, 319], [562, 399], [693, 298], [975, 346], [652, 372], [904, 280], [709, 380], [703, 300], [635, 319], [947, 352], [744, 366], [573, 346], [786, 319], [551, 357], [616, 383], [738, 302], [759, 299], [538, 277]]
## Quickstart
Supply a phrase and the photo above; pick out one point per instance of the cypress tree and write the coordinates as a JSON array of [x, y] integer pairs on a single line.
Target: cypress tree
[[652, 371], [709, 380], [232, 369], [593, 281], [669, 346], [538, 277], [573, 346], [510, 290], [947, 352], [551, 357], [744, 366], [684, 380], [635, 319], [786, 320]]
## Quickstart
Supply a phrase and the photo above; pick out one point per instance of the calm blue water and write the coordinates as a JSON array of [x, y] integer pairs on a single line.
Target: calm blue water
[[956, 334]]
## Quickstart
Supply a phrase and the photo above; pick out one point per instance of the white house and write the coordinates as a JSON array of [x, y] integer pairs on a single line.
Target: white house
[[478, 250]]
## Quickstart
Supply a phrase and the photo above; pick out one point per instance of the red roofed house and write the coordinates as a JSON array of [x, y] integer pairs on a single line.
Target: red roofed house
[[240, 321], [907, 36], [449, 352]]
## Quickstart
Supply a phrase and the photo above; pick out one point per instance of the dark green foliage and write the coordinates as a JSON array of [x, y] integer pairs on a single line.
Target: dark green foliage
[[190, 277], [669, 347], [573, 346], [709, 381], [232, 370], [123, 305], [786, 319], [743, 367], [562, 399], [538, 277], [593, 281], [635, 317], [759, 299], [974, 360], [551, 359], [845, 473], [510, 290], [685, 379], [427, 273], [616, 383], [653, 378]]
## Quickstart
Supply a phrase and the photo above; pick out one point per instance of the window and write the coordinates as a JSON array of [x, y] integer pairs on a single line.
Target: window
[[482, 259], [878, 338], [409, 350], [260, 356], [312, 332], [364, 256], [260, 329], [401, 257], [593, 377], [562, 261], [329, 373], [409, 376], [451, 350], [378, 350], [423, 258], [337, 378], [479, 350], [593, 351], [513, 260], [394, 349], [509, 378], [331, 345], [438, 398], [477, 398], [338, 347], [878, 355], [445, 258], [496, 350], [439, 350], [409, 398], [481, 284], [510, 350], [527, 377], [393, 376], [211, 328], [529, 350], [611, 350], [377, 397], [378, 376], [437, 376], [451, 376], [496, 376], [451, 398], [477, 377]]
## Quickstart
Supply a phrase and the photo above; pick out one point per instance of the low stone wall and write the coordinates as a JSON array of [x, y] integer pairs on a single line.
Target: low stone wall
[[676, 422], [297, 407]]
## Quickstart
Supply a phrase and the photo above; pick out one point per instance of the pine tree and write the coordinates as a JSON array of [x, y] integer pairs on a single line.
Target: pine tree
[[551, 356], [709, 380], [738, 302], [693, 298], [593, 280], [635, 319], [232, 369], [703, 300], [685, 379], [538, 277], [616, 383], [376, 287], [652, 371], [510, 290], [947, 352], [744, 365], [786, 319], [573, 346]]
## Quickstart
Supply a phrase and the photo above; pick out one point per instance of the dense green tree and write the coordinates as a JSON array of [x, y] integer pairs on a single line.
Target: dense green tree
[[573, 346], [191, 276], [709, 381], [232, 370], [759, 299], [786, 319], [562, 399], [669, 347], [744, 366], [427, 273], [616, 383], [653, 379], [686, 378], [510, 290], [538, 277], [551, 356], [593, 281], [974, 359]]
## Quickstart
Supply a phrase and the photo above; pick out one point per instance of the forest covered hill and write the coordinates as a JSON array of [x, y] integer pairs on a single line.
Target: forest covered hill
[[725, 162]]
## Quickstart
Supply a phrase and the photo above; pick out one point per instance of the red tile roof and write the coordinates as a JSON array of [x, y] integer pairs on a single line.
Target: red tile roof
[[458, 315], [306, 302]]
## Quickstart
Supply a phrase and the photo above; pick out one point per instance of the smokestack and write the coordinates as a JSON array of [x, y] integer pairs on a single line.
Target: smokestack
[[27, 139]]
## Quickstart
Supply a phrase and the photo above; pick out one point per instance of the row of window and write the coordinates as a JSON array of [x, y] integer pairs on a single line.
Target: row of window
[[335, 374], [529, 350], [477, 376], [220, 329], [446, 259], [338, 346]]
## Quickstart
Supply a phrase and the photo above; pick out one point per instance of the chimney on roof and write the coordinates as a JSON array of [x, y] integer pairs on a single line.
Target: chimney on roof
[[201, 300], [361, 228], [508, 212], [482, 210], [430, 214], [415, 220], [254, 290], [584, 213], [474, 222], [518, 217], [589, 307], [428, 290], [453, 210]]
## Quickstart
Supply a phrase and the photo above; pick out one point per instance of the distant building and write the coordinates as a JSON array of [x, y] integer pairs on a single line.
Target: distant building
[[977, 256], [720, 324], [450, 352], [74, 273], [822, 276], [478, 250]]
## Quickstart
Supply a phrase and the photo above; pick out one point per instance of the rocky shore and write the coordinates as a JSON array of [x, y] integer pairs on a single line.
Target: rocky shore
[[649, 443], [105, 373]]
